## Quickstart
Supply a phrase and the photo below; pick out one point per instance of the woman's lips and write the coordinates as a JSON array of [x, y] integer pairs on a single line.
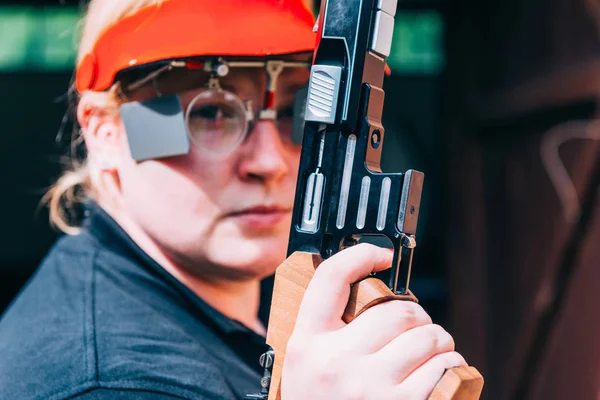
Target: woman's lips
[[260, 217]]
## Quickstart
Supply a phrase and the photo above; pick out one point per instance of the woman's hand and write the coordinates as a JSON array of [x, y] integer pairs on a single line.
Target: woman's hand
[[390, 351]]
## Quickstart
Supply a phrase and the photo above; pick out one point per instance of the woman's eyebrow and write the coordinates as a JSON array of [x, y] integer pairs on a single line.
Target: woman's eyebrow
[[229, 87], [242, 89]]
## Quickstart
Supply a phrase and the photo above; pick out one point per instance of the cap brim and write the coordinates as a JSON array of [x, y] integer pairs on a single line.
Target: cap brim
[[180, 29]]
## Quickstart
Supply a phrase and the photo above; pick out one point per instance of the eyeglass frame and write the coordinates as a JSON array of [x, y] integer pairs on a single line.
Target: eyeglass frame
[[144, 120]]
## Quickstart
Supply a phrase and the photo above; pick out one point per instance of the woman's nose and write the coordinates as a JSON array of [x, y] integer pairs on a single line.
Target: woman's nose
[[263, 154]]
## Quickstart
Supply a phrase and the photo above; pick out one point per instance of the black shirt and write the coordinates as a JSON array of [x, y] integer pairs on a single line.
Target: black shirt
[[100, 319]]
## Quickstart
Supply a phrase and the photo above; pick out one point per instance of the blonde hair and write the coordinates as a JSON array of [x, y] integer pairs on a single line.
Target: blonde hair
[[75, 185]]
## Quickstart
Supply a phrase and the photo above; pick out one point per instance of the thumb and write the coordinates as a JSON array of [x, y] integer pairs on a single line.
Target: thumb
[[329, 290]]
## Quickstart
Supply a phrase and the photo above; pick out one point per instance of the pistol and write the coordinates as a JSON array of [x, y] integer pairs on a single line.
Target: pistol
[[341, 193]]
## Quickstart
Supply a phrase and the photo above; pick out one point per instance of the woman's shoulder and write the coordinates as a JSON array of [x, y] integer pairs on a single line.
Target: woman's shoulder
[[43, 338], [51, 294], [87, 319]]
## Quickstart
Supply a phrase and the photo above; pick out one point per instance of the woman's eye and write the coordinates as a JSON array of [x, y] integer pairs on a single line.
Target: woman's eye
[[213, 112], [207, 112]]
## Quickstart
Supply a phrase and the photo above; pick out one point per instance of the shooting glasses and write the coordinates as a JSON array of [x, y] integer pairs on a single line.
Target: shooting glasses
[[216, 120]]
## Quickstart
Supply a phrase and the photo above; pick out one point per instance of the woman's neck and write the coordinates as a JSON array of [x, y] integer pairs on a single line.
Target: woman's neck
[[238, 300]]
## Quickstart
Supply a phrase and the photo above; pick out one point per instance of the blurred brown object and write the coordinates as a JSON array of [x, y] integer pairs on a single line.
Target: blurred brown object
[[522, 76]]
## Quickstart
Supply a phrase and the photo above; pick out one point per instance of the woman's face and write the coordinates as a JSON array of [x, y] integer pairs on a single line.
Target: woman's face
[[227, 215]]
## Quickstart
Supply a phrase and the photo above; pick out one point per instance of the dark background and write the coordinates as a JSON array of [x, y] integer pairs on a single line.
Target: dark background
[[499, 263]]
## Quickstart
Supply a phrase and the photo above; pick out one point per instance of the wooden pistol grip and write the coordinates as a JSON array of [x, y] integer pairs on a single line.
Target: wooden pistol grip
[[292, 279]]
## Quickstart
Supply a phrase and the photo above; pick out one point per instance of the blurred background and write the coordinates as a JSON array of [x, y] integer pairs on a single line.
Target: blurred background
[[495, 102]]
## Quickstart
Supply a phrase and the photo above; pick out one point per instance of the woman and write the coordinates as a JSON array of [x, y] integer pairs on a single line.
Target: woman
[[187, 191]]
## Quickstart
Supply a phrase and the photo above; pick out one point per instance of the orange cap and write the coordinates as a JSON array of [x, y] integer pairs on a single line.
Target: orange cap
[[179, 29]]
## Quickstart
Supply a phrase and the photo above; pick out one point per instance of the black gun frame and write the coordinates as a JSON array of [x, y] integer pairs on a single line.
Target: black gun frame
[[346, 33]]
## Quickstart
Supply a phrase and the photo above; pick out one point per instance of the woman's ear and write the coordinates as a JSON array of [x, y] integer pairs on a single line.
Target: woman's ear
[[101, 131]]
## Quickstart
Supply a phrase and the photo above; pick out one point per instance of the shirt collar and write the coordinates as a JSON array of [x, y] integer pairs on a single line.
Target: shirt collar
[[112, 236]]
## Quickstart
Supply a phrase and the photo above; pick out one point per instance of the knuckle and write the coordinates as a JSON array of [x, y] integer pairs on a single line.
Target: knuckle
[[405, 307], [445, 341], [326, 378], [372, 250], [328, 370], [416, 312], [366, 252], [436, 329], [403, 314], [431, 337], [420, 312]]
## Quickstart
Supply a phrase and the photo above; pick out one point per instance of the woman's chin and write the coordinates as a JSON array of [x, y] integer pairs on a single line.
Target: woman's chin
[[256, 258]]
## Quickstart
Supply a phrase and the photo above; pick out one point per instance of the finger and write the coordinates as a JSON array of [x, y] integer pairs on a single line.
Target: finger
[[403, 355], [384, 322], [329, 289], [423, 380]]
